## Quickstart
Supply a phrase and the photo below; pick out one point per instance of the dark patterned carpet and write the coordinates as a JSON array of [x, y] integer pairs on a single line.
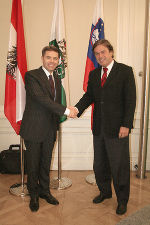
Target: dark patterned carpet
[[141, 217]]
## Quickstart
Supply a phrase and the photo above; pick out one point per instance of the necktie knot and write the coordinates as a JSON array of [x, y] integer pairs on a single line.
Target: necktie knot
[[105, 69], [50, 77]]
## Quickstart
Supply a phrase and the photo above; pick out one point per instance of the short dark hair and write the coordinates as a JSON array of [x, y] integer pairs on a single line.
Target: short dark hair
[[105, 43], [50, 48]]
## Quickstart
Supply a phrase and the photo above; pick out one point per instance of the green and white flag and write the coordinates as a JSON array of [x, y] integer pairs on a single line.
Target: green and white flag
[[58, 39]]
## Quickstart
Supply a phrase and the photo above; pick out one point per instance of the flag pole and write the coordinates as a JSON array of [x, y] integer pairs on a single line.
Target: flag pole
[[59, 182], [14, 88], [58, 40], [143, 139], [97, 33], [20, 189], [59, 154]]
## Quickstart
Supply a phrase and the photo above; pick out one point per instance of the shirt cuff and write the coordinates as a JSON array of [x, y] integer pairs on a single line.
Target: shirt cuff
[[67, 112], [76, 109]]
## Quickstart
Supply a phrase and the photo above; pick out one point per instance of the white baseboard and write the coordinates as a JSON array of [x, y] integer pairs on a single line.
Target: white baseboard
[[77, 142]]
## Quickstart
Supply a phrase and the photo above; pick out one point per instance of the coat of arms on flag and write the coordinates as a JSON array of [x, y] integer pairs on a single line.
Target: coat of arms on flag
[[97, 33], [15, 96], [12, 62], [58, 39]]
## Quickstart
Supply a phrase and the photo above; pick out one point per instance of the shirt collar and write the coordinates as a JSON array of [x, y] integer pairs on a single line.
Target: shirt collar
[[46, 72], [109, 67]]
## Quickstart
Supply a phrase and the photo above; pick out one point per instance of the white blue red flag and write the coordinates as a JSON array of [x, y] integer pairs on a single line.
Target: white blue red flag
[[97, 33]]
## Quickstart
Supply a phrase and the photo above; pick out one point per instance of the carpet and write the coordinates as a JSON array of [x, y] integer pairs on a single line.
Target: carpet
[[141, 217]]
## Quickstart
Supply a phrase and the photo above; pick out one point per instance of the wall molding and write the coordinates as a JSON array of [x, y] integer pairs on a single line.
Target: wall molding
[[77, 142]]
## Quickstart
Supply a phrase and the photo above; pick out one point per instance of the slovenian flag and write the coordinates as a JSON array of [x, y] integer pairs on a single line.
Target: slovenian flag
[[58, 39], [15, 96], [97, 33]]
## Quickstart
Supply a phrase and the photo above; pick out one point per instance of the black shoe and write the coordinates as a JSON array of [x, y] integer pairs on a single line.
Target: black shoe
[[121, 209], [34, 204], [100, 198], [50, 199]]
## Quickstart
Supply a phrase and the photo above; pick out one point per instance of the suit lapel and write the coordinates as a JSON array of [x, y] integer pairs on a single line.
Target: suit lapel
[[112, 74], [57, 86], [98, 76], [45, 80]]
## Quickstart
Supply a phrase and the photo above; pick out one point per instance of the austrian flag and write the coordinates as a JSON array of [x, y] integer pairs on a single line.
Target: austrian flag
[[15, 70]]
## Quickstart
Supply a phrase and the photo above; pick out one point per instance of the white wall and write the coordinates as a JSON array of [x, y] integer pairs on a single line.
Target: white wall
[[130, 50], [37, 25]]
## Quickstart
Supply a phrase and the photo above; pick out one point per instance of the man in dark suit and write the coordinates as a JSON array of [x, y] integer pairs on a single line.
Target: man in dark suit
[[40, 123], [111, 88]]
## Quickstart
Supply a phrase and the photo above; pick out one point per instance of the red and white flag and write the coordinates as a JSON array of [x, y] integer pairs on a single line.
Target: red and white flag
[[15, 95], [97, 33]]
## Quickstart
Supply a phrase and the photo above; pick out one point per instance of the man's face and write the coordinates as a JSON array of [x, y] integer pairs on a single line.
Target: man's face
[[103, 55], [50, 60]]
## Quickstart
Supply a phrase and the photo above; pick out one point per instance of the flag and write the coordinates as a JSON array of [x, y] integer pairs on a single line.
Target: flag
[[97, 33], [15, 69], [58, 39]]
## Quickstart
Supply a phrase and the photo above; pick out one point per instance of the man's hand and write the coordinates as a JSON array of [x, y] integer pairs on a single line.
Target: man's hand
[[124, 132], [73, 111]]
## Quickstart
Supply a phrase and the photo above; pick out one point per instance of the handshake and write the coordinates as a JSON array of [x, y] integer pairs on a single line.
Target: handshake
[[73, 111]]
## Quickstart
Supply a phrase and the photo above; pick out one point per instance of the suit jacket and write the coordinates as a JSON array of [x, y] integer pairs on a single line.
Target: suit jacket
[[114, 103], [41, 115]]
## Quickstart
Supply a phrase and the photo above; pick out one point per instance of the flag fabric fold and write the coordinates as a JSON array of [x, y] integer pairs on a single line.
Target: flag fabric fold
[[57, 39], [97, 33], [15, 71]]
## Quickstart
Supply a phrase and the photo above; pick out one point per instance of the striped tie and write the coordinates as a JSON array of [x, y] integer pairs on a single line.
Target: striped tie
[[52, 85], [104, 77]]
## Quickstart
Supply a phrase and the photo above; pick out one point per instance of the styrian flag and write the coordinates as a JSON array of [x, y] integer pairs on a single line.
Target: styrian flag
[[57, 39], [97, 33], [15, 70]]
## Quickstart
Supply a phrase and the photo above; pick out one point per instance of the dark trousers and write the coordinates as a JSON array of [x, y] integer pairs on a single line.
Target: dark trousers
[[38, 165], [112, 161]]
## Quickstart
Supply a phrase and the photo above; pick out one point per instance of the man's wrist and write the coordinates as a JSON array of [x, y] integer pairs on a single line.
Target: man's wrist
[[67, 112], [76, 109]]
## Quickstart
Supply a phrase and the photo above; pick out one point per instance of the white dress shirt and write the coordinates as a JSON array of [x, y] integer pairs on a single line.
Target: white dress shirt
[[109, 67], [67, 111]]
